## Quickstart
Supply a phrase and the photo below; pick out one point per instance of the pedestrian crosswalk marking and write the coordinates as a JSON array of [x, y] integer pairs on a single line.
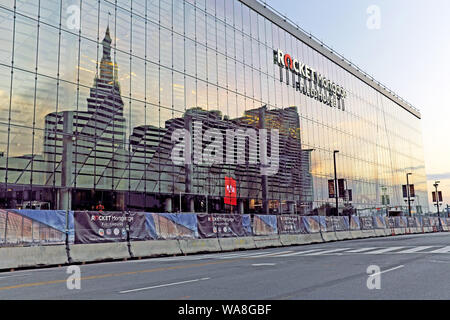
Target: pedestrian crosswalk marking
[[442, 250], [416, 249], [298, 253], [327, 252], [361, 250], [380, 251]]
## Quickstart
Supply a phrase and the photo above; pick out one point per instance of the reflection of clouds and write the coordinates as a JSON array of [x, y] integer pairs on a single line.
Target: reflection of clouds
[[438, 176]]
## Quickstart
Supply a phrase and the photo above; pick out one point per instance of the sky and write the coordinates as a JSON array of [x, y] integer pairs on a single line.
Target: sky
[[405, 45]]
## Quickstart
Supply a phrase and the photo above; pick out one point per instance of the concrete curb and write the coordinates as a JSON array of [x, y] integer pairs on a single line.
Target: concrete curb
[[153, 248], [21, 257], [231, 244], [99, 252], [343, 235], [267, 241], [380, 233], [188, 246], [297, 239], [400, 231], [329, 236]]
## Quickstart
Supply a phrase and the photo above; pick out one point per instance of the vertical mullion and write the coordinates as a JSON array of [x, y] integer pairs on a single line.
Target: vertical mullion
[[55, 129], [34, 102], [9, 109], [78, 98]]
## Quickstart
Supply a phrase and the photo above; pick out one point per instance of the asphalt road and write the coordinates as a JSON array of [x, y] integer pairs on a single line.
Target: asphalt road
[[410, 267]]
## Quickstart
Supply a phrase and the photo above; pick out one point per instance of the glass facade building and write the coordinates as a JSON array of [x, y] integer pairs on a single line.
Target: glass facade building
[[92, 91]]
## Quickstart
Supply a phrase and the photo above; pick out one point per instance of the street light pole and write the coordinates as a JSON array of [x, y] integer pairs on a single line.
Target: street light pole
[[436, 184], [336, 182], [407, 193]]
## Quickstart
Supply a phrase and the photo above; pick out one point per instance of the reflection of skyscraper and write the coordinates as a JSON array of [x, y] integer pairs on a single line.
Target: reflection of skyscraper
[[89, 144]]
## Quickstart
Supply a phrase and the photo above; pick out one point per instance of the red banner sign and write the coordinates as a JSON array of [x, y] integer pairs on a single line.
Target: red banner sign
[[230, 191]]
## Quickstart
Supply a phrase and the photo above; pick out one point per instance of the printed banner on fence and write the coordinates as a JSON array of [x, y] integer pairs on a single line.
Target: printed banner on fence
[[323, 223], [434, 221], [97, 227], [310, 224], [366, 223], [2, 226], [220, 226], [247, 224], [401, 222], [379, 222], [166, 226], [418, 222], [411, 222], [355, 223], [264, 225], [22, 227], [326, 224], [288, 224], [340, 223], [55, 219], [426, 222], [390, 222]]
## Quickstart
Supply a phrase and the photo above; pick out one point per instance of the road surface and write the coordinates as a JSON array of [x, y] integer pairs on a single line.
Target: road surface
[[410, 267]]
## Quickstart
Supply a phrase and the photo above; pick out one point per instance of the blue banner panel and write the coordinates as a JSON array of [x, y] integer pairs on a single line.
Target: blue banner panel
[[32, 227], [164, 226], [379, 222], [401, 222], [310, 224], [264, 225], [355, 223], [247, 224], [326, 225], [340, 223], [418, 222], [426, 222], [55, 219]]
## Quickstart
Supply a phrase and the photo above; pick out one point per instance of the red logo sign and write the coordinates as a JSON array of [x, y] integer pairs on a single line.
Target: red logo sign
[[230, 191]]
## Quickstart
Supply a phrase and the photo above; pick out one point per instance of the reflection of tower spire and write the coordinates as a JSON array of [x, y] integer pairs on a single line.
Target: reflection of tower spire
[[108, 69]]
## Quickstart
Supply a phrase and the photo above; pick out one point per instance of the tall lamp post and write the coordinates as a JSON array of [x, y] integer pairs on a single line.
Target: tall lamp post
[[336, 182], [436, 184], [408, 194]]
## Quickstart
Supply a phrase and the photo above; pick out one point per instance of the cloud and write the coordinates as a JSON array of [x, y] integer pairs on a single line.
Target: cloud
[[439, 176]]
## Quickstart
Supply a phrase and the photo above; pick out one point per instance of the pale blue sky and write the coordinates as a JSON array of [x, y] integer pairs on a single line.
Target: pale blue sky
[[409, 53]]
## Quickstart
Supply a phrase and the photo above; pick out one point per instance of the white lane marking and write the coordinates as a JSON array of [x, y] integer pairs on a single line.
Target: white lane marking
[[164, 285], [361, 250], [442, 250], [384, 250], [388, 270], [298, 253], [440, 261], [239, 255], [416, 249], [273, 254], [263, 264], [326, 252], [17, 275]]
